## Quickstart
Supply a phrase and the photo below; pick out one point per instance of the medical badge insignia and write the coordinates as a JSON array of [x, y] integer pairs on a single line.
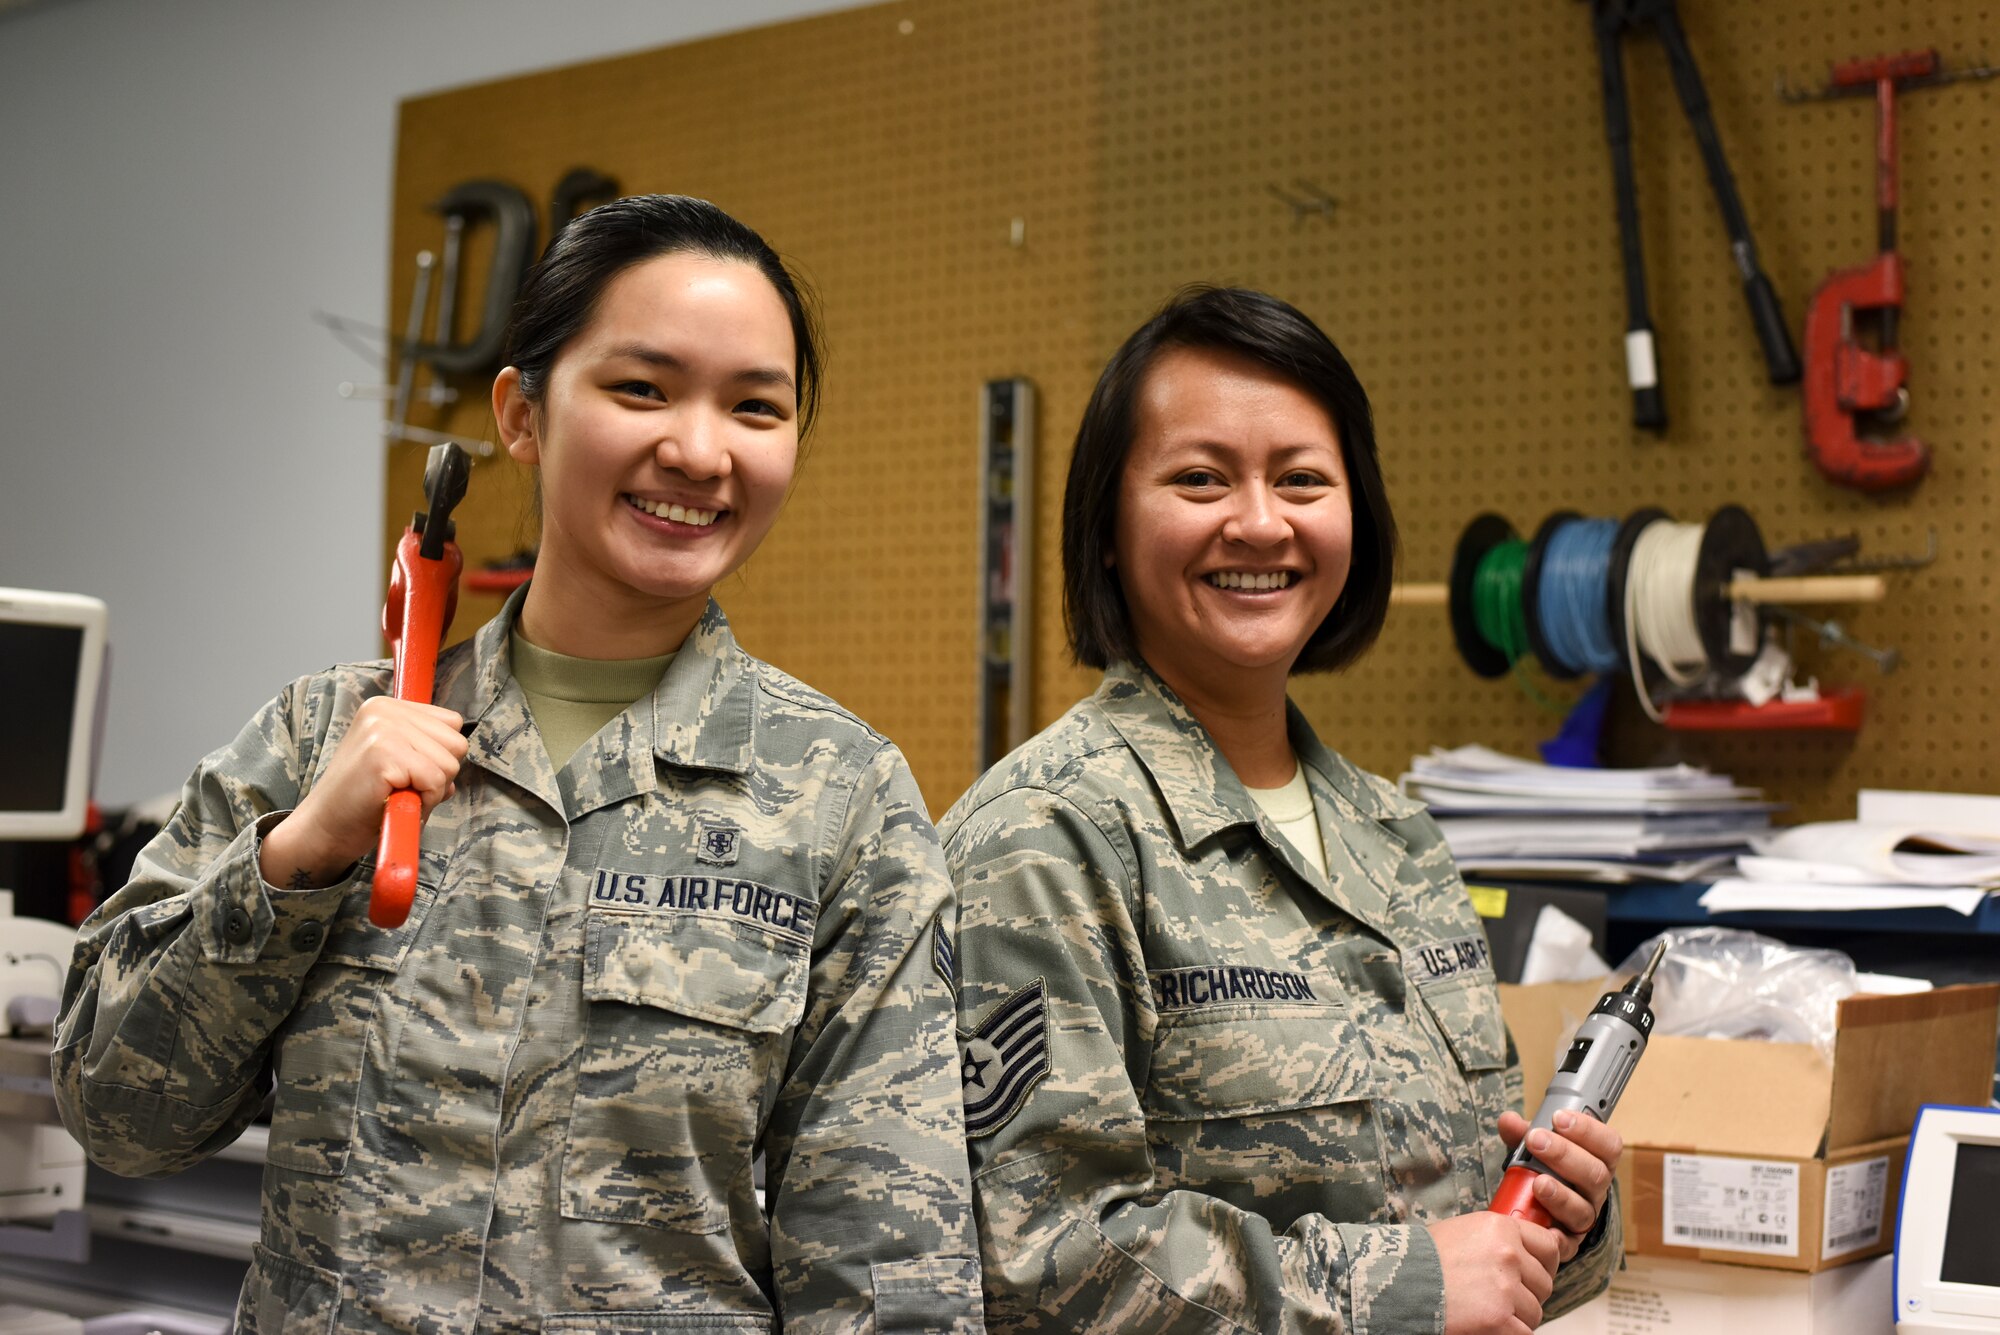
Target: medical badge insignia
[[716, 843]]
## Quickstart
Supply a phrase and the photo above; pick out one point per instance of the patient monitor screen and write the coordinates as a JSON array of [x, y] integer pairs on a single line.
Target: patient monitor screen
[[38, 672], [1972, 1233]]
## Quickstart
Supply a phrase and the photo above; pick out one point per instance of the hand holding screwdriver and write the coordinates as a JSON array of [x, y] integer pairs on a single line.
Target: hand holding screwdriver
[[1584, 1089]]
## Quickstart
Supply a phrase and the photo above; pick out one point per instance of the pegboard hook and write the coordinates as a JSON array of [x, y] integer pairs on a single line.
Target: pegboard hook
[[1316, 202], [1911, 69]]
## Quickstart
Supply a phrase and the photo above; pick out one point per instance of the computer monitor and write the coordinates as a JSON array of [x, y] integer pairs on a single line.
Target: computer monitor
[[51, 670], [1948, 1224]]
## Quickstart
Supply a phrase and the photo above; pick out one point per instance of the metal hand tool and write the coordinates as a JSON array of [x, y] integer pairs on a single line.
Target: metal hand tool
[[1601, 1058], [513, 248], [1845, 380], [423, 596], [579, 186], [1611, 19]]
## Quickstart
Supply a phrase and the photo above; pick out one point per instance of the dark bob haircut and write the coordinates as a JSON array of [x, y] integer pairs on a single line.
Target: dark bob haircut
[[1273, 334], [562, 291]]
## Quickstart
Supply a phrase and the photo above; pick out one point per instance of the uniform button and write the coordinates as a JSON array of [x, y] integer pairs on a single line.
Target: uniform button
[[308, 936], [236, 927]]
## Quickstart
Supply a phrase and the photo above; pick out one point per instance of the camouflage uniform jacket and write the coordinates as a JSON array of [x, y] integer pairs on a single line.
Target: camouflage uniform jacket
[[535, 1105], [1208, 1089]]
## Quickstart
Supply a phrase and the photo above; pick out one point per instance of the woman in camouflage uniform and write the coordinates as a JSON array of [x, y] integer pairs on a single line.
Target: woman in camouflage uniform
[[677, 909], [1232, 1048]]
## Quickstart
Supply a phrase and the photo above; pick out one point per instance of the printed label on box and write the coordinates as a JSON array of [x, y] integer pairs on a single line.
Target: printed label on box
[[1634, 1310], [1854, 1194], [1738, 1205]]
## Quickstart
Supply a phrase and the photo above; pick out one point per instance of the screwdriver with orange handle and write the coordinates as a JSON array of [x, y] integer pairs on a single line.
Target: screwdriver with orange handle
[[1601, 1058], [423, 596]]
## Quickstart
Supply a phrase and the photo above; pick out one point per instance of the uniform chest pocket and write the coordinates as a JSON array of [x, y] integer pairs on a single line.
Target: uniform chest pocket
[[1270, 1108], [1467, 1009], [326, 1042], [689, 1018]]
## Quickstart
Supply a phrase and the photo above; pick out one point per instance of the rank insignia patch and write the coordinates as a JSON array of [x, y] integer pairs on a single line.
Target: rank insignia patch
[[1003, 1059], [943, 958], [716, 843]]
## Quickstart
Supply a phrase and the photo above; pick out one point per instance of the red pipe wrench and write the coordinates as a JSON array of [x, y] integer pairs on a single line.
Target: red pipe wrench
[[423, 596], [1843, 378]]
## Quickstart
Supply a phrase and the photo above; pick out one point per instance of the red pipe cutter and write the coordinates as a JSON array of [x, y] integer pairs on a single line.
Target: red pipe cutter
[[1845, 380], [423, 596]]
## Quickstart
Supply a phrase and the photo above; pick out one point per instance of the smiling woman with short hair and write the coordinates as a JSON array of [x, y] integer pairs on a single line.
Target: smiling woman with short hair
[[1218, 1073]]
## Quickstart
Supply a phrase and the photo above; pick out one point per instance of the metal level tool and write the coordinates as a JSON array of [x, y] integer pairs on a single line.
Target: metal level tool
[[1601, 1058], [423, 596]]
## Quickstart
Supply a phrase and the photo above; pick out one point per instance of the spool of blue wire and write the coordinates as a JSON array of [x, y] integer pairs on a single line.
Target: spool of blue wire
[[1572, 611]]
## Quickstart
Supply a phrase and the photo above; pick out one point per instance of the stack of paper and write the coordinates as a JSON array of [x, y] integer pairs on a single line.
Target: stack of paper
[[1500, 813], [1907, 850]]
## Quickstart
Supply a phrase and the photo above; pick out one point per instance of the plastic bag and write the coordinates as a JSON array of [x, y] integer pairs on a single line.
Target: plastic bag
[[1723, 982]]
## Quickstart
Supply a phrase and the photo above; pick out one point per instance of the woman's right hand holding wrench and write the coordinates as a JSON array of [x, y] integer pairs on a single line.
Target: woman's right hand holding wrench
[[392, 744]]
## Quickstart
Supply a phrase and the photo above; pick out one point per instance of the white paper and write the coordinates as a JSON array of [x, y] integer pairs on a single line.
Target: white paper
[[1871, 853], [1738, 1205], [1854, 1195], [1560, 951], [1598, 871], [1471, 802], [1607, 834], [1734, 895], [1972, 813], [1481, 769], [1890, 984]]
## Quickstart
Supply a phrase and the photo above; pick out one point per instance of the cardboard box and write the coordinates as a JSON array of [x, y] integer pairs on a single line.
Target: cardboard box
[[1658, 1296], [1760, 1154]]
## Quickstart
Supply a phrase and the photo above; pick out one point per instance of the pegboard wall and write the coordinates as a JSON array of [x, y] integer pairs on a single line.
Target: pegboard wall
[[1469, 269]]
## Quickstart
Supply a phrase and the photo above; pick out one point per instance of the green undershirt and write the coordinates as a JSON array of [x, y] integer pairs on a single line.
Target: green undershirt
[[571, 698]]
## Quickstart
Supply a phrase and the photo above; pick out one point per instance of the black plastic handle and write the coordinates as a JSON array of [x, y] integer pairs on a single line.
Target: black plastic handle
[[1779, 356]]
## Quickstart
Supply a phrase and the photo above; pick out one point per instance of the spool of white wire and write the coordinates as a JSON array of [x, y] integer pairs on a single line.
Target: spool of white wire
[[1660, 606]]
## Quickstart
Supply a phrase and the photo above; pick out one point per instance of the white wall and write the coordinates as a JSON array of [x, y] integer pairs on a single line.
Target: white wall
[[181, 183]]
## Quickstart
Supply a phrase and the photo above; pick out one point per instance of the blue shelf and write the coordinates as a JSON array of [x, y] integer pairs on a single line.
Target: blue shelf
[[1680, 904]]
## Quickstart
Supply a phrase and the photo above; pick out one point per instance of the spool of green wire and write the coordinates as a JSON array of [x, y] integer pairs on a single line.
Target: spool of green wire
[[1496, 599]]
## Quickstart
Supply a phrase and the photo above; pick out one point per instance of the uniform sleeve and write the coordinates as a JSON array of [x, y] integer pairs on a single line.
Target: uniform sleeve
[[180, 979], [870, 1203], [1075, 1229]]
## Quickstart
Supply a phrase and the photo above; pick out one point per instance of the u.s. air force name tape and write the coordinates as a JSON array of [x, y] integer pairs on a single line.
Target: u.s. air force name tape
[[1004, 1058], [1449, 959], [721, 896]]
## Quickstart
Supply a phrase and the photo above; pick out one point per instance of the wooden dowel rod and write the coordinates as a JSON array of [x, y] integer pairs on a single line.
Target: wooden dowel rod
[[1801, 589], [1812, 589]]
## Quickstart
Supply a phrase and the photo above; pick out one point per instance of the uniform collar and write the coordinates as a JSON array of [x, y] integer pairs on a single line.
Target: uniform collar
[[701, 714], [1372, 799], [500, 731], [1201, 791], [705, 707]]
